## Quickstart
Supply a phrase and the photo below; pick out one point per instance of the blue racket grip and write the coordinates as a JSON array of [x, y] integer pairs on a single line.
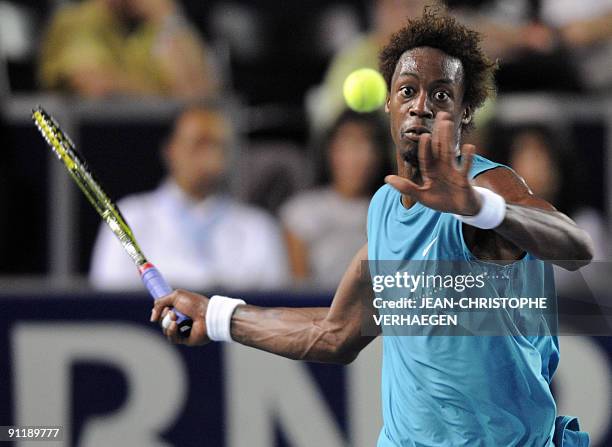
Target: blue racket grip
[[158, 287]]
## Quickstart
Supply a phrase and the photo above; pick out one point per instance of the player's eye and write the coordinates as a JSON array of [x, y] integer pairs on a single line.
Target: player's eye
[[407, 91], [441, 96]]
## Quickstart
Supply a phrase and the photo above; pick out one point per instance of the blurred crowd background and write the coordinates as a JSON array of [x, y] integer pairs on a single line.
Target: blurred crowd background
[[221, 127]]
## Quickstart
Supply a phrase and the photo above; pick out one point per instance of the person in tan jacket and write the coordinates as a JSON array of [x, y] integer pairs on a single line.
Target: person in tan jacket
[[101, 48]]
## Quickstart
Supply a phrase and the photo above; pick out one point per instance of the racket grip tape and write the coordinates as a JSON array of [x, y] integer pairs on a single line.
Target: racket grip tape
[[158, 287]]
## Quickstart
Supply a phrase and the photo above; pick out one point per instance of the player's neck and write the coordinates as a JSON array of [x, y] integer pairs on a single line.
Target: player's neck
[[407, 201], [408, 171]]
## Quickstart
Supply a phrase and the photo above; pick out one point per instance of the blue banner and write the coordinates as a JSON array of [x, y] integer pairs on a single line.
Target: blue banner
[[94, 365]]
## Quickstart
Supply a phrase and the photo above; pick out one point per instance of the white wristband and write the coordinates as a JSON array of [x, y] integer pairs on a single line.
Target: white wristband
[[219, 317], [492, 212]]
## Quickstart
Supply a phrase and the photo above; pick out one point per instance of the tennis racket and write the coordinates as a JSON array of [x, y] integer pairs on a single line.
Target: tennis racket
[[106, 208]]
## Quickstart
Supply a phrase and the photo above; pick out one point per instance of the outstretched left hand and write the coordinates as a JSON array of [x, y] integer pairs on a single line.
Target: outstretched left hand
[[446, 185]]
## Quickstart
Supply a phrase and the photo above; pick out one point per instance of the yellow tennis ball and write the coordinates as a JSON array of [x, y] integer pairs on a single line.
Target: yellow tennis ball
[[364, 90]]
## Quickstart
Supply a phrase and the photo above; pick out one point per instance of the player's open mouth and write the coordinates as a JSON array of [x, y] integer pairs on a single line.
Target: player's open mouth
[[413, 133]]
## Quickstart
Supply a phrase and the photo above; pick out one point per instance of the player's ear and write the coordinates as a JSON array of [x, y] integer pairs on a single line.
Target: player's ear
[[467, 116], [387, 103]]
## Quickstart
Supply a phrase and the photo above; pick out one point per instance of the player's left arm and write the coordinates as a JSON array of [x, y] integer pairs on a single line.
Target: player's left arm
[[532, 225]]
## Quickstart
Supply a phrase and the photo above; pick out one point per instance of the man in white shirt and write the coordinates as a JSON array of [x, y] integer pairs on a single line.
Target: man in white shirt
[[197, 236]]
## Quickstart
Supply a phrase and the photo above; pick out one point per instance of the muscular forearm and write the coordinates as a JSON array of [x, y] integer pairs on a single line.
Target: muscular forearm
[[316, 334], [296, 333], [325, 334], [548, 235]]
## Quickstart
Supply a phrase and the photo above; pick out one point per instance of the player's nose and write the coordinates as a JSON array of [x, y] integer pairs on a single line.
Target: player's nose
[[420, 107]]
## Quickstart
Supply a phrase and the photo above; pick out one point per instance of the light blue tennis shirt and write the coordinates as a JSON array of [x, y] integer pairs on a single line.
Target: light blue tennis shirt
[[460, 390]]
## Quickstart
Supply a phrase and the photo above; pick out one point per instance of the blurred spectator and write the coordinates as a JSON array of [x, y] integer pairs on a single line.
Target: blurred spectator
[[544, 44], [199, 237], [511, 28], [18, 24], [337, 26], [325, 103], [533, 156], [326, 226], [272, 171], [15, 30], [98, 48], [585, 28]]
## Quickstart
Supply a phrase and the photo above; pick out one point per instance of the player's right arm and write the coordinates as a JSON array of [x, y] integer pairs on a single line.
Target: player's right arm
[[331, 334]]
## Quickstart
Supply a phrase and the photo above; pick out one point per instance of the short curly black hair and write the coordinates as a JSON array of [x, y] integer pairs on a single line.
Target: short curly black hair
[[438, 30]]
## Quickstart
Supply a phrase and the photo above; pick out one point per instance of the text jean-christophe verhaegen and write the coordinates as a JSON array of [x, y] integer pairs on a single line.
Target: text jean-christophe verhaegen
[[412, 309]]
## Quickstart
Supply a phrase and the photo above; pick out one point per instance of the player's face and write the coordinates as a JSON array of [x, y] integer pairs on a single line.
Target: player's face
[[197, 152], [426, 81]]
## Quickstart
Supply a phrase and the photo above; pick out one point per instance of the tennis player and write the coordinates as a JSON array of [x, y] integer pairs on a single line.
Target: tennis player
[[444, 203]]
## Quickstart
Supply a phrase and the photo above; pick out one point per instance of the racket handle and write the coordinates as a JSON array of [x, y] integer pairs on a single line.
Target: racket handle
[[158, 287]]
